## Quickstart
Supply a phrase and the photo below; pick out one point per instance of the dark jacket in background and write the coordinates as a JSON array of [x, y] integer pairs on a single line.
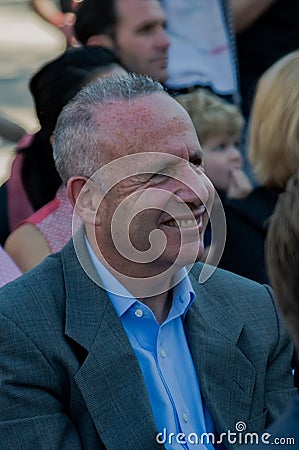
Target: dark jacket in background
[[247, 224], [272, 36]]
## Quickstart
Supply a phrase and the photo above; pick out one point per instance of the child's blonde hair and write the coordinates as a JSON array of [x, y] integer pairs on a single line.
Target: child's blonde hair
[[210, 114]]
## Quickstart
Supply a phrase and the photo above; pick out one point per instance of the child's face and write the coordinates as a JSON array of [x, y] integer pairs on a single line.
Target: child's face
[[221, 158]]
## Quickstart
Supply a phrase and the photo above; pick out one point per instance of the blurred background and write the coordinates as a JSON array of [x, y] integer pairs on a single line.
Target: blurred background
[[26, 42]]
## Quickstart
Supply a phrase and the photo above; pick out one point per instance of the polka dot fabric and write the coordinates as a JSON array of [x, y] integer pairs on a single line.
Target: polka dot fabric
[[56, 225], [8, 270]]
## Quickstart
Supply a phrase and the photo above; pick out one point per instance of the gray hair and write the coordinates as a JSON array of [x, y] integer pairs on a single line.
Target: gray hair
[[77, 135]]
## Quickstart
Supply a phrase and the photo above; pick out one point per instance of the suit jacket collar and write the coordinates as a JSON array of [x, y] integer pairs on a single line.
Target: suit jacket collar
[[110, 378]]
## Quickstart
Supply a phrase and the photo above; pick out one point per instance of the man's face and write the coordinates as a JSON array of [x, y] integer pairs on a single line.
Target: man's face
[[140, 41], [154, 208]]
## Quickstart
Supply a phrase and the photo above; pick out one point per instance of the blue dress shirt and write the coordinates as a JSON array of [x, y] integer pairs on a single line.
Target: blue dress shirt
[[165, 360]]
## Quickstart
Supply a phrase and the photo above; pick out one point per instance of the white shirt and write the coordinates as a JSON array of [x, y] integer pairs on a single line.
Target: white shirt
[[200, 52]]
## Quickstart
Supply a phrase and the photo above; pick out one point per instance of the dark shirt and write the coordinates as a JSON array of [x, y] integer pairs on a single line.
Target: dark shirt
[[272, 36], [247, 224]]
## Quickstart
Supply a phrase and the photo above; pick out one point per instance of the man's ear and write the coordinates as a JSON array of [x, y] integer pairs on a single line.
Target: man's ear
[[101, 40], [85, 198]]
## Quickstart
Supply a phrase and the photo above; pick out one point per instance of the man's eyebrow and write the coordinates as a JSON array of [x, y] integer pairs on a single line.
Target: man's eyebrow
[[150, 23]]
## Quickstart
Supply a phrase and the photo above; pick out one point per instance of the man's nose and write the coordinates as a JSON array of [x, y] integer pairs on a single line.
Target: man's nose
[[193, 186], [162, 39]]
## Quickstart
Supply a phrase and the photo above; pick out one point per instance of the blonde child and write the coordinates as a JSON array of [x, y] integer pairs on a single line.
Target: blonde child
[[218, 125]]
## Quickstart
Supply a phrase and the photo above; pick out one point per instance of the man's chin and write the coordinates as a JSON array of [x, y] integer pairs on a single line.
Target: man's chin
[[188, 255], [160, 75]]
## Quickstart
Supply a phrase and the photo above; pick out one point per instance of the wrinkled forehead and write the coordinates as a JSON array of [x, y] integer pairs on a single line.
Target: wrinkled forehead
[[153, 123]]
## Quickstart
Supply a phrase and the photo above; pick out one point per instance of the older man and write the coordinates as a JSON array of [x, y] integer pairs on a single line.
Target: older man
[[110, 343], [134, 30]]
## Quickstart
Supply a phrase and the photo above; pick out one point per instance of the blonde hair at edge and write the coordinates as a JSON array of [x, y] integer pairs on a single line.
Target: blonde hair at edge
[[210, 114], [274, 125]]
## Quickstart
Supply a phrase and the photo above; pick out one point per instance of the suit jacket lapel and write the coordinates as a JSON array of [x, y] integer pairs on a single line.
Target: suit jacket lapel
[[110, 379], [225, 375]]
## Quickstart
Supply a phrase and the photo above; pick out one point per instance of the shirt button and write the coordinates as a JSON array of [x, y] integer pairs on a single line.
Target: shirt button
[[163, 353], [138, 313], [185, 417]]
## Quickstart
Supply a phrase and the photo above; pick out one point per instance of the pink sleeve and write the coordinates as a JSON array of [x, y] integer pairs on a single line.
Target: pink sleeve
[[42, 213], [19, 207], [8, 270]]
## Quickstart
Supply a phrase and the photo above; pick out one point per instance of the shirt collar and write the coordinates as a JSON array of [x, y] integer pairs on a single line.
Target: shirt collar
[[122, 299]]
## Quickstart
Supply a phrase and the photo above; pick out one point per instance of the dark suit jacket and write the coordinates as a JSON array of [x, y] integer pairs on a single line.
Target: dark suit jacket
[[70, 380]]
